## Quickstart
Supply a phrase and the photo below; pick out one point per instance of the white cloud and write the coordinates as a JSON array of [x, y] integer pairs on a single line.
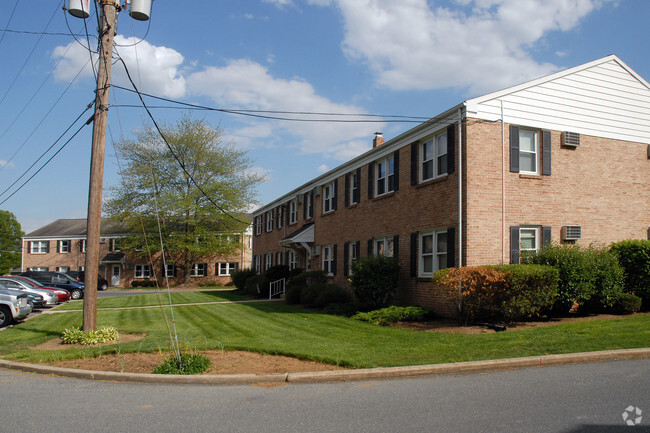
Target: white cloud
[[480, 44], [323, 168], [153, 69], [247, 84], [4, 164]]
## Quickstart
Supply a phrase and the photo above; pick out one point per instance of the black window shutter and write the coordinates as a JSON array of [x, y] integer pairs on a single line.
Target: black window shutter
[[304, 206], [335, 200], [514, 245], [370, 245], [414, 254], [546, 153], [346, 199], [29, 246], [451, 247], [546, 236], [47, 246], [311, 201], [396, 247], [265, 220], [346, 259], [333, 270], [371, 179], [514, 148], [396, 171], [451, 145], [415, 149], [357, 195], [58, 246]]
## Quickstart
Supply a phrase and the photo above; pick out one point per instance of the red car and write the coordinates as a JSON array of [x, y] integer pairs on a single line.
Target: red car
[[62, 294]]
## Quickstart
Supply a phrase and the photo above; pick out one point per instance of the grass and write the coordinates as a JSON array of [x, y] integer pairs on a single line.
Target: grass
[[153, 300], [277, 328]]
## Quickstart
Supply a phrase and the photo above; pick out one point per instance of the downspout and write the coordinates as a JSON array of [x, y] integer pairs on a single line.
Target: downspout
[[22, 254], [460, 188], [503, 187]]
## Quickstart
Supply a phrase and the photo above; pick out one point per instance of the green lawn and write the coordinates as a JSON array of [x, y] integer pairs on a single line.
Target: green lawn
[[277, 328]]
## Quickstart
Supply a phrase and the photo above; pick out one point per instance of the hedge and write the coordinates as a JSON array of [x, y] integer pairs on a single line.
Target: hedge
[[634, 258]]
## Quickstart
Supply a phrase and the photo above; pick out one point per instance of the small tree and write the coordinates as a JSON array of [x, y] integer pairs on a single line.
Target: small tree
[[374, 280], [10, 239]]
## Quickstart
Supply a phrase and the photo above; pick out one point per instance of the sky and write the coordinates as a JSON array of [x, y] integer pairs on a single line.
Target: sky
[[382, 64]]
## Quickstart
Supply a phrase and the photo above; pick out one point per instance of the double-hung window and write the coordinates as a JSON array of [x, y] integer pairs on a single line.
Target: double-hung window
[[529, 239], [258, 225], [292, 260], [40, 247], [329, 197], [170, 270], [142, 271], [385, 176], [528, 151], [329, 259], [269, 220], [227, 268], [64, 246], [353, 187], [309, 205], [258, 265], [384, 246], [433, 252], [293, 212], [433, 157], [199, 270], [268, 261]]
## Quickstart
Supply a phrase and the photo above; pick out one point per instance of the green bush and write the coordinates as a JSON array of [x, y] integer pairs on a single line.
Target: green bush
[[608, 281], [277, 272], [143, 283], [374, 280], [191, 363], [389, 315], [634, 258], [332, 294], [346, 309], [256, 286], [91, 336], [239, 278], [626, 303], [301, 281]]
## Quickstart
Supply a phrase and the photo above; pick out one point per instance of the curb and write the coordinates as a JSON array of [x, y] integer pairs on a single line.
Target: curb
[[339, 375]]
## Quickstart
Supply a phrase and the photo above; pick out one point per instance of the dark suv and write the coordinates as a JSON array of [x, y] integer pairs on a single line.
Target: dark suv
[[57, 279], [79, 276]]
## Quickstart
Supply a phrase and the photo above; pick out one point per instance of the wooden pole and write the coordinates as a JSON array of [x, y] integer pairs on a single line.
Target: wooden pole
[[108, 10]]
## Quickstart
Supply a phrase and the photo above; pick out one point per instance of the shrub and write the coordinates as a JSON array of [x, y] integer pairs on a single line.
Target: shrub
[[239, 278], [300, 282], [257, 286], [389, 315], [634, 258], [608, 280], [277, 272], [191, 363], [346, 309], [332, 294], [144, 283], [626, 303], [91, 336], [374, 280]]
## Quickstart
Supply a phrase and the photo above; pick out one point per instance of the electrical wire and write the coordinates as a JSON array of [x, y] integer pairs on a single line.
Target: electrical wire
[[4, 32]]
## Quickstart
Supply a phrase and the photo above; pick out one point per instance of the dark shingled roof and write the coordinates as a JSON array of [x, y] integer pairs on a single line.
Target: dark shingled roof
[[72, 228]]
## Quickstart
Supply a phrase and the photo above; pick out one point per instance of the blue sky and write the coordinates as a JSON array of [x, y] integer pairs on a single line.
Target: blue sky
[[407, 58]]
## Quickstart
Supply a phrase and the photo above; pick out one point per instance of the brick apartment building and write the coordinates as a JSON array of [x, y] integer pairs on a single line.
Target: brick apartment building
[[61, 246], [564, 158]]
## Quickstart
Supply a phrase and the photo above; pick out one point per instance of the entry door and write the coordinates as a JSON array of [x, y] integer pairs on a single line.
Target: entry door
[[115, 275]]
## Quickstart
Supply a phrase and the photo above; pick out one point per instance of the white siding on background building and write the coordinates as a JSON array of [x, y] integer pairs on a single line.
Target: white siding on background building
[[604, 98]]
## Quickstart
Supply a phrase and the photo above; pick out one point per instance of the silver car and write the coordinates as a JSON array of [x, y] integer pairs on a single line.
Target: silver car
[[13, 307], [50, 297]]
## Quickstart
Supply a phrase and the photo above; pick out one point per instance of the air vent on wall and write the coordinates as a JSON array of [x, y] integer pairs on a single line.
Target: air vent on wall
[[571, 233], [570, 139]]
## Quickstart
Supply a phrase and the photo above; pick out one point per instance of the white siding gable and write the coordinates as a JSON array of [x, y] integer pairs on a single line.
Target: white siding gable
[[604, 98]]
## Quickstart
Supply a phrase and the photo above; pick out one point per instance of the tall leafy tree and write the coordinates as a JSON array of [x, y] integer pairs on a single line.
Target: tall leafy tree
[[192, 184], [10, 240]]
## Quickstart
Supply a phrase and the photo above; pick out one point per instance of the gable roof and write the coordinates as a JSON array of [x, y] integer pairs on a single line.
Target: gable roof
[[71, 228]]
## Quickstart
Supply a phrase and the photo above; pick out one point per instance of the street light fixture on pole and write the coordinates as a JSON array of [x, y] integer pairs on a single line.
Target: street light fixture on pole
[[108, 10]]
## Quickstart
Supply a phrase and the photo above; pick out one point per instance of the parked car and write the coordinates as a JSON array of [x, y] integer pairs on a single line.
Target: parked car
[[51, 299], [62, 294], [57, 279], [13, 307], [102, 284]]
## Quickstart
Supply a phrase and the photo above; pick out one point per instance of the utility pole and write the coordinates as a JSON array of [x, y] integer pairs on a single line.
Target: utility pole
[[140, 10]]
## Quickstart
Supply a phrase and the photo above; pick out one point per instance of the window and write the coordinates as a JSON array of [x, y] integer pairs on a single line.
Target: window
[[329, 259], [63, 246], [384, 246], [278, 258], [63, 269], [528, 154], [39, 268], [269, 220], [199, 270], [227, 268], [113, 245], [433, 157], [268, 261], [258, 266], [433, 252], [309, 205], [40, 247], [258, 225], [530, 151], [385, 177], [293, 212], [353, 193], [292, 260], [280, 210], [351, 255], [170, 270], [527, 238], [329, 197], [142, 271], [82, 246]]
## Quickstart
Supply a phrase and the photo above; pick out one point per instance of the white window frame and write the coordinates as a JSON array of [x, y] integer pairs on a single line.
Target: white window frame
[[353, 255], [385, 176], [528, 233], [309, 203], [293, 260], [258, 264], [327, 254], [280, 215], [113, 245], [63, 269], [432, 153], [199, 270], [293, 212], [39, 268], [270, 220], [268, 261], [142, 271], [169, 270], [432, 253], [353, 187], [64, 246], [83, 245], [258, 225], [39, 247], [328, 198], [227, 268], [384, 245], [535, 153]]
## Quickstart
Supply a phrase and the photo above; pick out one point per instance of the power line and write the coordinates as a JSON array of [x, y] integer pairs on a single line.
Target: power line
[[29, 32], [4, 32]]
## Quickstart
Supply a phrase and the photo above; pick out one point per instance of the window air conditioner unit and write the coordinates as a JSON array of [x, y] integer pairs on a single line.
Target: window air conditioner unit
[[316, 190], [299, 198], [571, 233], [570, 139], [102, 240]]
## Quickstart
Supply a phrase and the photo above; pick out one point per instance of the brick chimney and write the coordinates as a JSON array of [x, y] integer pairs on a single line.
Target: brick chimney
[[378, 140]]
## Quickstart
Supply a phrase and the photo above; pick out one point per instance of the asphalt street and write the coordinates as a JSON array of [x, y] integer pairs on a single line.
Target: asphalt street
[[569, 398]]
